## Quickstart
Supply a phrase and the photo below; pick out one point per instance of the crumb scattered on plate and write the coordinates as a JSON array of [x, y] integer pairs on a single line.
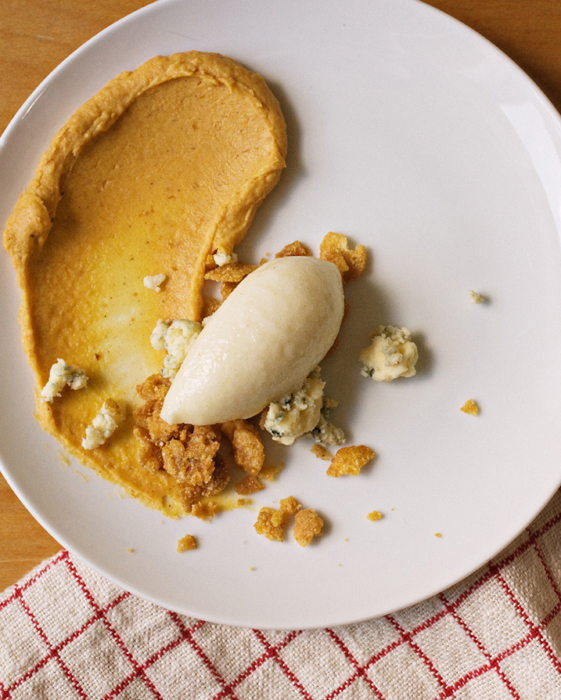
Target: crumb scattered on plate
[[350, 460], [375, 515], [307, 526], [321, 453], [476, 297], [470, 407], [438, 534], [186, 543]]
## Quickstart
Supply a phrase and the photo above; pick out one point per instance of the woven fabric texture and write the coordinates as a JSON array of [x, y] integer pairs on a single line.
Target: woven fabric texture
[[67, 633]]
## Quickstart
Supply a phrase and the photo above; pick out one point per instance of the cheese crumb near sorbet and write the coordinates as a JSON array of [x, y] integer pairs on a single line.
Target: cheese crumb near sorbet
[[62, 374], [391, 354], [154, 282], [110, 415], [260, 344]]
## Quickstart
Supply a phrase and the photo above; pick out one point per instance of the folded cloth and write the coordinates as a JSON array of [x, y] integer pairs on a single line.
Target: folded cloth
[[66, 632]]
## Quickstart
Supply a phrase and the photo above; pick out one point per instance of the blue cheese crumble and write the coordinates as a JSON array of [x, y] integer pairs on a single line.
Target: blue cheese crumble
[[176, 337], [60, 375], [221, 257], [391, 354], [476, 297], [303, 413], [103, 425], [154, 281]]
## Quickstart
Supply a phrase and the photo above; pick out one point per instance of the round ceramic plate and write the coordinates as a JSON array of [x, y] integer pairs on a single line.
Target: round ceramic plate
[[410, 134]]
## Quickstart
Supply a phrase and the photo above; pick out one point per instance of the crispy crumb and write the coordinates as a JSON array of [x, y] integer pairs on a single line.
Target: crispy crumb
[[288, 506], [351, 262], [470, 407], [265, 525], [204, 511], [375, 515], [251, 568], [185, 543], [210, 305], [233, 272], [243, 502], [226, 288], [269, 471], [307, 526], [438, 534], [320, 452], [248, 485], [249, 453], [295, 248], [350, 460], [130, 549]]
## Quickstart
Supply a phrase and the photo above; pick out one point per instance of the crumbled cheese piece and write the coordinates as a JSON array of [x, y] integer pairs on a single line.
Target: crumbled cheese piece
[[297, 413], [476, 297], [176, 337], [154, 282], [303, 413], [221, 257], [391, 354], [470, 407], [103, 425], [60, 375]]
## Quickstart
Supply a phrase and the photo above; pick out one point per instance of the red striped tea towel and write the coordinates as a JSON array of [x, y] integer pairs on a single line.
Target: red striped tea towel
[[67, 633]]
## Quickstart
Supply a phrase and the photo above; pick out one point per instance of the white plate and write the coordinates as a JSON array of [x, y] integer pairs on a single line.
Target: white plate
[[409, 133]]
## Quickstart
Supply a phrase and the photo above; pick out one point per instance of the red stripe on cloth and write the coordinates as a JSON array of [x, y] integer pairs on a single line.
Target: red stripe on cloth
[[274, 654], [492, 664], [259, 661], [111, 630], [53, 653], [532, 626], [219, 678], [359, 670], [408, 637]]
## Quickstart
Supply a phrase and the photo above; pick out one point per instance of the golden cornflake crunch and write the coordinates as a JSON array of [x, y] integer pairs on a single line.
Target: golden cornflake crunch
[[293, 249], [185, 543], [248, 485], [265, 525], [470, 407], [350, 460], [232, 272], [209, 307], [249, 453], [375, 515], [269, 471], [226, 288], [321, 453], [288, 506], [308, 525], [351, 262]]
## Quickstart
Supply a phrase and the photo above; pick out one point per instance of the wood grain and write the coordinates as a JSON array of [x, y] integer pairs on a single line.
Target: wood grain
[[35, 36]]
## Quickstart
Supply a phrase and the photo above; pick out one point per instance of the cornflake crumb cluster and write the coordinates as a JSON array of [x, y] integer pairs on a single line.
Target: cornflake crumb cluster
[[186, 543], [272, 522], [470, 407]]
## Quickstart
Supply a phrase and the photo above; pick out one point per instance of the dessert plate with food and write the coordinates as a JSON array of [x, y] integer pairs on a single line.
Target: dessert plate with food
[[280, 294]]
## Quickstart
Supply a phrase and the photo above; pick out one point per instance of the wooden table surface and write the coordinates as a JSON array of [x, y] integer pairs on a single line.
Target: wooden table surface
[[36, 35]]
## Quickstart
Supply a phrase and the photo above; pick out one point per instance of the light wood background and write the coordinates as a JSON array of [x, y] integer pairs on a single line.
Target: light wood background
[[36, 35]]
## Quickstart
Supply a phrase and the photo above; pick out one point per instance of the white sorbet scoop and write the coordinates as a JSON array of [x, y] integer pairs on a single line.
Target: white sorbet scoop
[[260, 344]]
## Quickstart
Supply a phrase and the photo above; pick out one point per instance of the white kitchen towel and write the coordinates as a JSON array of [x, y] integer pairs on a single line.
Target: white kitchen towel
[[67, 633]]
